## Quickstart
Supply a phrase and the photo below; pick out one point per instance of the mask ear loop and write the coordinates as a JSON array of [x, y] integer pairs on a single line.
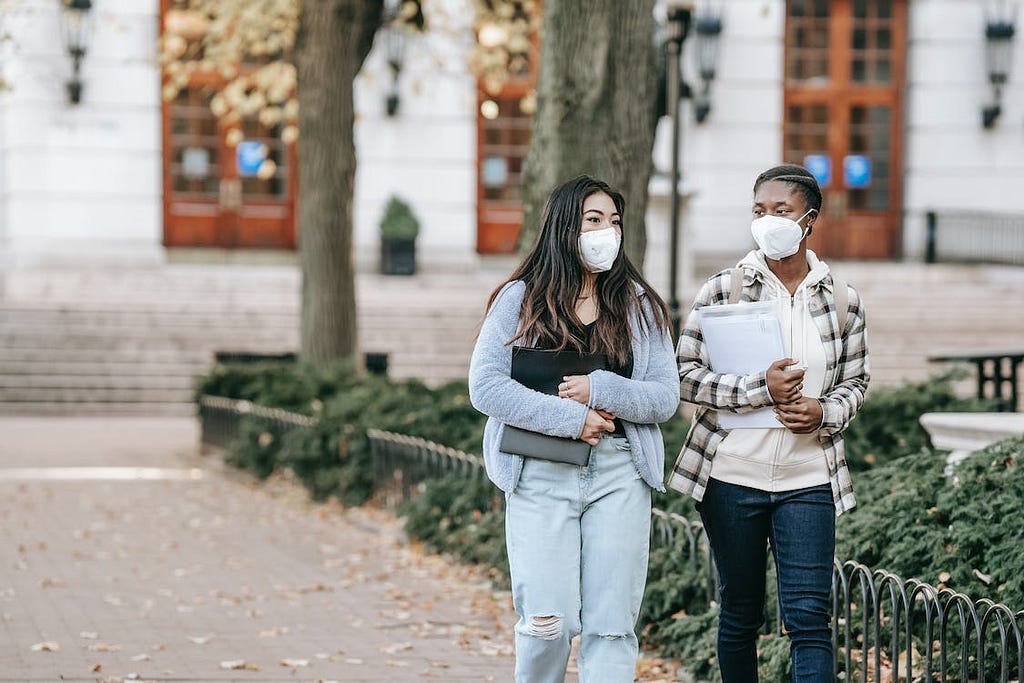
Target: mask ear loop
[[806, 231]]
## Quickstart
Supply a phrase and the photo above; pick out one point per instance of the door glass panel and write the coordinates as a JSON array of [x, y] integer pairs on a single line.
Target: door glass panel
[[268, 179], [806, 132], [506, 142], [807, 42], [871, 42], [195, 144], [870, 137]]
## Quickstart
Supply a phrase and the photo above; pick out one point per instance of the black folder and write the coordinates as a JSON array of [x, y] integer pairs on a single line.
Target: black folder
[[542, 370]]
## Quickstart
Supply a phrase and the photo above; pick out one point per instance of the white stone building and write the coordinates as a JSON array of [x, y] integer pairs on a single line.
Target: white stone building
[[903, 83]]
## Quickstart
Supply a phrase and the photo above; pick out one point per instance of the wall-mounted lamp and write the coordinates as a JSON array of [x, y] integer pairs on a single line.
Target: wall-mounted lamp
[[707, 30], [395, 53], [400, 17], [75, 26], [998, 55]]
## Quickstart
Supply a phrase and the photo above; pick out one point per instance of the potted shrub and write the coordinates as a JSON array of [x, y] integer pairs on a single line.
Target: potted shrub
[[398, 230]]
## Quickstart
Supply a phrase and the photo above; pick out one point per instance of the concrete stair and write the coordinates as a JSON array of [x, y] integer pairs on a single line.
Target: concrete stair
[[134, 341]]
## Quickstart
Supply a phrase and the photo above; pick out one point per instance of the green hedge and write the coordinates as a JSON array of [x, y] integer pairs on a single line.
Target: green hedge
[[911, 519]]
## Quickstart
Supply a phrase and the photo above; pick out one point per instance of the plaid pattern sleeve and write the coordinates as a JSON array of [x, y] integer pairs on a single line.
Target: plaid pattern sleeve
[[844, 399], [847, 377]]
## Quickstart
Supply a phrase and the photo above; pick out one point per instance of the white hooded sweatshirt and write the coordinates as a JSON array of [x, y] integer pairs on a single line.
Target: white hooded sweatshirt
[[777, 460]]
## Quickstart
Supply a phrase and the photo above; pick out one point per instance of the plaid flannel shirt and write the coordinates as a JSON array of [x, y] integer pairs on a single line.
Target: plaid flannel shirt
[[846, 379]]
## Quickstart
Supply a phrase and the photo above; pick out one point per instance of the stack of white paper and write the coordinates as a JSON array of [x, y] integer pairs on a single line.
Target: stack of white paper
[[743, 339]]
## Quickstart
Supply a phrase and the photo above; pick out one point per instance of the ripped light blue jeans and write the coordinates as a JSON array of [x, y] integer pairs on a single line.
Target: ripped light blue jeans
[[578, 541]]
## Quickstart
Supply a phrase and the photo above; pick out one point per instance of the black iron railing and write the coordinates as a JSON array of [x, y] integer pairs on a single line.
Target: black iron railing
[[974, 236], [220, 418], [886, 628]]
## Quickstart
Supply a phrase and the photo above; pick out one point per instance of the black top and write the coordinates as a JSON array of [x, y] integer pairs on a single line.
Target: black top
[[585, 334]]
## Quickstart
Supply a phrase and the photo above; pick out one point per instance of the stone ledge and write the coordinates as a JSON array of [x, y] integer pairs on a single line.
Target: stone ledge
[[964, 433]]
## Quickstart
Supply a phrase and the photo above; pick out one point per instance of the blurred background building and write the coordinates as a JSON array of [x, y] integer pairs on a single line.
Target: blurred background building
[[883, 98]]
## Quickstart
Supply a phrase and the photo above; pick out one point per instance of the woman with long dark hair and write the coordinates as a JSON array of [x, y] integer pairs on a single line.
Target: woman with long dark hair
[[577, 535]]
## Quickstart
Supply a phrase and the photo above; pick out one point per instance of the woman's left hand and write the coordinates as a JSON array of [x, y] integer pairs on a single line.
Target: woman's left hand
[[576, 387], [802, 416]]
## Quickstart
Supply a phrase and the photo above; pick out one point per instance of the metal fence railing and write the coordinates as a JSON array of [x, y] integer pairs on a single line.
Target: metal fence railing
[[220, 419], [974, 236], [885, 628]]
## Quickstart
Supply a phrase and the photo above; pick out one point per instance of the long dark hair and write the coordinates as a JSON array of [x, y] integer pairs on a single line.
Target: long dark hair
[[553, 273]]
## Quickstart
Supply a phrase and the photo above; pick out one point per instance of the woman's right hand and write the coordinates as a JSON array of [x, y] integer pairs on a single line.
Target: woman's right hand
[[595, 426], [785, 385]]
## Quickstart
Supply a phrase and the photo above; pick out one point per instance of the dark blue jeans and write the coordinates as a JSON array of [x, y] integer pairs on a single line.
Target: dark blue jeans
[[800, 526]]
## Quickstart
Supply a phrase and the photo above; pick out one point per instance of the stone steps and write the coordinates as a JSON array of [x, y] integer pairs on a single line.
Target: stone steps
[[99, 408], [132, 342]]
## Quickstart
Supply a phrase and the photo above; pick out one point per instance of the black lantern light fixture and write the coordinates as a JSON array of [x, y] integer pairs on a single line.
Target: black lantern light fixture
[[998, 56], [400, 18], [395, 53], [75, 26], [707, 30]]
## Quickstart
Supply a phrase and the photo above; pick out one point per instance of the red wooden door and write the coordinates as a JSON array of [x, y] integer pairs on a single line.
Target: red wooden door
[[503, 140], [504, 127], [222, 188], [845, 63]]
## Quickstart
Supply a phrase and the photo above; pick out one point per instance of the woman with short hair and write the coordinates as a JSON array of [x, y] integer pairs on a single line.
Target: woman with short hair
[[781, 486]]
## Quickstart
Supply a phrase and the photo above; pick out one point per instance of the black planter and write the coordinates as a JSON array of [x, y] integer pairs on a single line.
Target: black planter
[[397, 256]]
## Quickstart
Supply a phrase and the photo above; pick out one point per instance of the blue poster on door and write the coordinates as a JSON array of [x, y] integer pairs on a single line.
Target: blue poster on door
[[856, 171], [820, 166], [250, 155]]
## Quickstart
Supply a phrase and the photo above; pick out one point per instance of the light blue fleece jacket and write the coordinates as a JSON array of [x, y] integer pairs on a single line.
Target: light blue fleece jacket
[[650, 396]]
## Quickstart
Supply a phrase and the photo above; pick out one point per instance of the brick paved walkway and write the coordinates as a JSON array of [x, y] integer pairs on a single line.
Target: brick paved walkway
[[184, 578]]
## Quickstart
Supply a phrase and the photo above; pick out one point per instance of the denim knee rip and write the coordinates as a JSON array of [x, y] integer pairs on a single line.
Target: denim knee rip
[[614, 636], [546, 627]]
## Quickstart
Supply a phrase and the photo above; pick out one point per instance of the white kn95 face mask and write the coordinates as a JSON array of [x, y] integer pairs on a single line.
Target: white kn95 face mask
[[778, 236], [598, 249]]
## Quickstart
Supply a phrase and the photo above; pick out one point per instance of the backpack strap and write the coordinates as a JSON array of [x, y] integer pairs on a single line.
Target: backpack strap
[[735, 285], [841, 295]]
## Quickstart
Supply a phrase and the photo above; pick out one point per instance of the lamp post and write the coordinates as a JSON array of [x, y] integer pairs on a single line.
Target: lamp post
[[75, 26], [679, 16]]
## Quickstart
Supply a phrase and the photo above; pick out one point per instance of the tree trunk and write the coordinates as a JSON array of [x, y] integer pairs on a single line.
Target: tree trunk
[[595, 108], [334, 38]]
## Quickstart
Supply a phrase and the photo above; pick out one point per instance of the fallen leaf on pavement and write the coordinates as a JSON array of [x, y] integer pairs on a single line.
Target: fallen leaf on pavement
[[141, 658], [97, 668], [104, 647], [46, 646], [238, 664], [274, 632], [395, 648], [295, 662]]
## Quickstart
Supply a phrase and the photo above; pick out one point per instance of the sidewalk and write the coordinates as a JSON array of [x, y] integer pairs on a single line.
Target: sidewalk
[[188, 572]]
